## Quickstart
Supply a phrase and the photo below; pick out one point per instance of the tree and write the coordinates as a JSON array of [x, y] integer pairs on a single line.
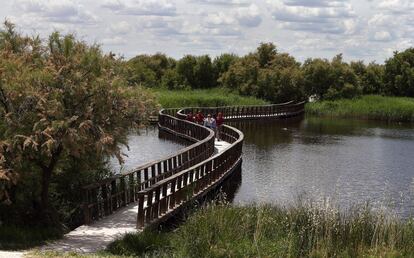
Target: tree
[[60, 101], [266, 52], [266, 74], [204, 73], [185, 69], [330, 80], [372, 81], [222, 64], [399, 74], [148, 70]]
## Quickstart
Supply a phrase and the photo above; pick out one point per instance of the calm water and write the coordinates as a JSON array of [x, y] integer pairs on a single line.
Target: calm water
[[345, 161], [144, 148]]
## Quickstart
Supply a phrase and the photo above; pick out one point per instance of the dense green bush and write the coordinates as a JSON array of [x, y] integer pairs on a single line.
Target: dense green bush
[[399, 74], [65, 107], [266, 74], [274, 76]]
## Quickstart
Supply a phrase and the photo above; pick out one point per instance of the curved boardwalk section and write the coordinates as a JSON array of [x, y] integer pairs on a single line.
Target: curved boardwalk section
[[154, 192], [105, 197]]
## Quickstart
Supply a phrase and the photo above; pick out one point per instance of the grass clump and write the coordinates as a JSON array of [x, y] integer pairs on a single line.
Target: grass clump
[[148, 242], [19, 238], [396, 109], [269, 231], [203, 98]]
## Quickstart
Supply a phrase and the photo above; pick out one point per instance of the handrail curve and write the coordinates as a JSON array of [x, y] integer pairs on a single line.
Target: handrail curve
[[108, 195], [162, 186]]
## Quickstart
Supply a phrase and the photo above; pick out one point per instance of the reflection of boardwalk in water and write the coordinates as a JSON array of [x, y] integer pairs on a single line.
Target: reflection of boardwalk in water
[[157, 191]]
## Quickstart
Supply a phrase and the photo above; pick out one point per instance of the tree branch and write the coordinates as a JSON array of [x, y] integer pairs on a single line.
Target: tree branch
[[3, 100]]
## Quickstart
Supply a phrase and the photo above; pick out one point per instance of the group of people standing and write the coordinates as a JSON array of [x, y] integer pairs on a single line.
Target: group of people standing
[[214, 122]]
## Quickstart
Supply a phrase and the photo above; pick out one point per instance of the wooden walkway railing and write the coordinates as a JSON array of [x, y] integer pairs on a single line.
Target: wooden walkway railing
[[163, 186], [237, 113], [163, 199], [105, 197]]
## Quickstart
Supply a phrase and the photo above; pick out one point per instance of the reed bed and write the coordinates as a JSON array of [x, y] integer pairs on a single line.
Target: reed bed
[[373, 107], [271, 231], [203, 98]]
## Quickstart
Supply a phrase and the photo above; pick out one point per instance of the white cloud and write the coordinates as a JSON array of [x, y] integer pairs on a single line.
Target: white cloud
[[316, 16], [371, 30], [249, 16], [121, 28], [63, 11], [243, 16], [114, 41], [141, 7], [223, 2], [383, 36]]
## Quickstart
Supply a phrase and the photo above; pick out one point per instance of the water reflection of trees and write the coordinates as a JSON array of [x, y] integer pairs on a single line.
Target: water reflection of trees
[[268, 133]]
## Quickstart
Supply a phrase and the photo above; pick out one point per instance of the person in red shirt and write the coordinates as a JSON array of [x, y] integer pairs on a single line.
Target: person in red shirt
[[199, 118], [219, 124]]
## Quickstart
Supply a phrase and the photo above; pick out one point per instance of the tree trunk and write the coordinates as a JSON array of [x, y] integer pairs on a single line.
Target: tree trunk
[[47, 172], [44, 197]]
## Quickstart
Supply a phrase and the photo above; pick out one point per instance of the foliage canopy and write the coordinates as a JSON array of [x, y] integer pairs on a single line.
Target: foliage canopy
[[60, 101]]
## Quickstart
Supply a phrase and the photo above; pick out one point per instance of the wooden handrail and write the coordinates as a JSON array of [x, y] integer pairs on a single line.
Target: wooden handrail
[[165, 196], [159, 186], [106, 196], [236, 113]]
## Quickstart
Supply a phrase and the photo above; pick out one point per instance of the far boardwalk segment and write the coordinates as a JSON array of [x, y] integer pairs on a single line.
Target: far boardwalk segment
[[153, 192]]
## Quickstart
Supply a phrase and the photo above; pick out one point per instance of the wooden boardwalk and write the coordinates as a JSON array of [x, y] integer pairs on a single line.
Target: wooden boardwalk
[[156, 191], [97, 235]]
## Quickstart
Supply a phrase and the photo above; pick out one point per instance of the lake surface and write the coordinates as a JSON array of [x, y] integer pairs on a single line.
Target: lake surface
[[347, 162], [144, 147]]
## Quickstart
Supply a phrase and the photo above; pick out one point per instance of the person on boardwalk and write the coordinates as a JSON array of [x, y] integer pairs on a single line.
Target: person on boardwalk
[[199, 118], [190, 117], [210, 122], [219, 124]]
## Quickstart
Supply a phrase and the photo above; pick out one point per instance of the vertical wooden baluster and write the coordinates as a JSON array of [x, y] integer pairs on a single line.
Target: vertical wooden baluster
[[164, 199], [149, 207], [123, 192], [173, 194], [131, 182], [107, 206], [159, 170], [141, 213], [114, 195], [165, 167], [139, 181], [153, 174], [146, 179], [156, 205], [86, 211]]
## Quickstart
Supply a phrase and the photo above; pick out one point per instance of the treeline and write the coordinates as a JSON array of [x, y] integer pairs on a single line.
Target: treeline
[[269, 74]]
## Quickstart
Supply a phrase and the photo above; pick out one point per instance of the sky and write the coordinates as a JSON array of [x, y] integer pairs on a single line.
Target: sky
[[368, 30]]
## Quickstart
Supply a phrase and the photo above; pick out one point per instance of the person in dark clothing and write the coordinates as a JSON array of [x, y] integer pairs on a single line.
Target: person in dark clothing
[[190, 117], [219, 124]]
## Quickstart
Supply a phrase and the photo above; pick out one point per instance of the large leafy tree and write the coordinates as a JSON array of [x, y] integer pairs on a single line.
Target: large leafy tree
[[59, 101], [399, 73], [266, 74]]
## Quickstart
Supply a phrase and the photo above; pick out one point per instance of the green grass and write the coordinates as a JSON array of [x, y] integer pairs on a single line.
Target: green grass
[[20, 238], [372, 107], [269, 231], [202, 98]]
